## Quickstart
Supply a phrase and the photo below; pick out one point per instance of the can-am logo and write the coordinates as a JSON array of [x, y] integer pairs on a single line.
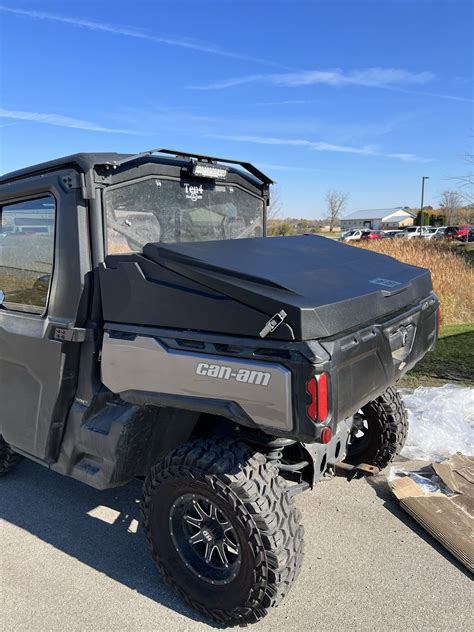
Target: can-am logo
[[193, 192], [247, 376]]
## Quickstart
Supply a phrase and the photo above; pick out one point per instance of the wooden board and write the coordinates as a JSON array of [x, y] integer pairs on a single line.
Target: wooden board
[[449, 519]]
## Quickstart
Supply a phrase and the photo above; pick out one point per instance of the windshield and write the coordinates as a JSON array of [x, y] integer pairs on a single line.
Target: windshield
[[171, 211]]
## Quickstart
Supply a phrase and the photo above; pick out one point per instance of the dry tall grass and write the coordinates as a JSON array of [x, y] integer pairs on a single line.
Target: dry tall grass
[[450, 271]]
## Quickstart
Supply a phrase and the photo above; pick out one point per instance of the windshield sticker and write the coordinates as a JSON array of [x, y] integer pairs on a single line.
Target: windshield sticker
[[193, 193]]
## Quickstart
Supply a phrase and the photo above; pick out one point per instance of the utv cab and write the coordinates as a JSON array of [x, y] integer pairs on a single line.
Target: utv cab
[[149, 328]]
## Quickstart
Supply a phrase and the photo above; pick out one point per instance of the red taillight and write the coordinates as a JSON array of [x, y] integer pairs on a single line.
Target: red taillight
[[317, 389], [438, 320], [312, 390], [326, 435], [322, 397]]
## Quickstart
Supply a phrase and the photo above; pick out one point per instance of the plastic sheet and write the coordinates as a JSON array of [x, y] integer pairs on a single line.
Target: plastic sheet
[[441, 422], [429, 483]]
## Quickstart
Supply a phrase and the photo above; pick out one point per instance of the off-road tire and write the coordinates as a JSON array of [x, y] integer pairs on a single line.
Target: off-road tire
[[256, 501], [8, 458], [387, 422]]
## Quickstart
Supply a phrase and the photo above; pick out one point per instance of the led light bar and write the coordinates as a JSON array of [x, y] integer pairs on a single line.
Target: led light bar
[[207, 170]]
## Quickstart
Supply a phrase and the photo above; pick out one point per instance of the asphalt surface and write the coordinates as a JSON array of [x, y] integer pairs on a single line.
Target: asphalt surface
[[71, 559]]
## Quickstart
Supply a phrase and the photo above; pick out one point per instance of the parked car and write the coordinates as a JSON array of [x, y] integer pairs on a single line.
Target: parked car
[[352, 235], [372, 234], [416, 231], [460, 233], [434, 232], [390, 234]]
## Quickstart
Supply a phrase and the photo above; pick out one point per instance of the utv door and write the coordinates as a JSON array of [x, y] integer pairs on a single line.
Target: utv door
[[44, 259]]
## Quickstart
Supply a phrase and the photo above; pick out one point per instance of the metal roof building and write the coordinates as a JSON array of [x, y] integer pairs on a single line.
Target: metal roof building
[[376, 219]]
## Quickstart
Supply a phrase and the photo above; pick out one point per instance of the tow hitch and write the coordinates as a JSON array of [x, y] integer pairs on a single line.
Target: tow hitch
[[356, 471]]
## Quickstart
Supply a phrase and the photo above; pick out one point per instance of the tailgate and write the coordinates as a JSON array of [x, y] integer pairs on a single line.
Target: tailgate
[[365, 363]]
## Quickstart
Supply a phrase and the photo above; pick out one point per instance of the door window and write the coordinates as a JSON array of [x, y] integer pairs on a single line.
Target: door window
[[27, 252]]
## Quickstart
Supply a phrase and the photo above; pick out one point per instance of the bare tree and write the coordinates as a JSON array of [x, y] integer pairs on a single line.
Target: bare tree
[[336, 203], [276, 206], [450, 202], [466, 183]]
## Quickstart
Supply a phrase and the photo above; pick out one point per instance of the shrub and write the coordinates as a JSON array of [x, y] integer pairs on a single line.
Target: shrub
[[279, 229], [450, 271]]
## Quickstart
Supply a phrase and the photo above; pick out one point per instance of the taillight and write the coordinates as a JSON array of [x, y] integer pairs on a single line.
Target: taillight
[[326, 435], [438, 320], [312, 390], [322, 397], [317, 389]]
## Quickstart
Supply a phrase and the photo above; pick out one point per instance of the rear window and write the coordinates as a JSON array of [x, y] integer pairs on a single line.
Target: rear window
[[174, 211]]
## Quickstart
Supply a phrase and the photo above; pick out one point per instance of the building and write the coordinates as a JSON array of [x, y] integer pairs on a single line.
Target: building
[[33, 224], [379, 219]]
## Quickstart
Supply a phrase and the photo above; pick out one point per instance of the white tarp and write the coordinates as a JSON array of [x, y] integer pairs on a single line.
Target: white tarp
[[441, 422]]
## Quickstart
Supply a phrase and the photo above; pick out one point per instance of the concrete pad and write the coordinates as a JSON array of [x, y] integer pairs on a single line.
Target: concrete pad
[[72, 559]]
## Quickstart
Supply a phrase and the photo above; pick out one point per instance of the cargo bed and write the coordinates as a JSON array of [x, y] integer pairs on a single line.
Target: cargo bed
[[324, 287]]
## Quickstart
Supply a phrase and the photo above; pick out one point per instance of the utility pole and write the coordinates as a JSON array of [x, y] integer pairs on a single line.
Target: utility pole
[[422, 197]]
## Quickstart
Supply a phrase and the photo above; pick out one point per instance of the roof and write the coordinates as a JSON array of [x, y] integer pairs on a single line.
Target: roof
[[84, 161], [400, 218], [378, 213], [87, 161]]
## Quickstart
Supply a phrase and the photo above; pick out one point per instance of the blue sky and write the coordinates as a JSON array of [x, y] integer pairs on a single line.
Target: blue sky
[[364, 96]]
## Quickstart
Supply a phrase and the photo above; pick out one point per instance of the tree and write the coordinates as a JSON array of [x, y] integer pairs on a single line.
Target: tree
[[467, 182], [275, 208], [336, 202], [279, 228], [430, 219], [284, 229], [450, 202]]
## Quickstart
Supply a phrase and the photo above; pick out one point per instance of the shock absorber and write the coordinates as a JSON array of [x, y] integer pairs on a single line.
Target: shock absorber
[[272, 448]]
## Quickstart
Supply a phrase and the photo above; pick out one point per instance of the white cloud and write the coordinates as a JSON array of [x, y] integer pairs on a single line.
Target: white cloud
[[408, 157], [182, 42], [60, 121], [369, 77], [393, 79], [435, 95], [366, 150]]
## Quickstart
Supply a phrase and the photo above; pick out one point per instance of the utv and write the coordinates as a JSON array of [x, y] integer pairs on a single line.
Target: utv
[[149, 328]]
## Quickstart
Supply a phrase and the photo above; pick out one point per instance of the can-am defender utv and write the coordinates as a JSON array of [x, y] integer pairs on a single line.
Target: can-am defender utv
[[149, 328]]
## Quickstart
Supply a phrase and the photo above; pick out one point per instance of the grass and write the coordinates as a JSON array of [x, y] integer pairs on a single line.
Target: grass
[[451, 271], [451, 361]]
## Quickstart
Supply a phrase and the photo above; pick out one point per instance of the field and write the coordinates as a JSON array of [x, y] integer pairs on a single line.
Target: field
[[450, 269], [451, 361]]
